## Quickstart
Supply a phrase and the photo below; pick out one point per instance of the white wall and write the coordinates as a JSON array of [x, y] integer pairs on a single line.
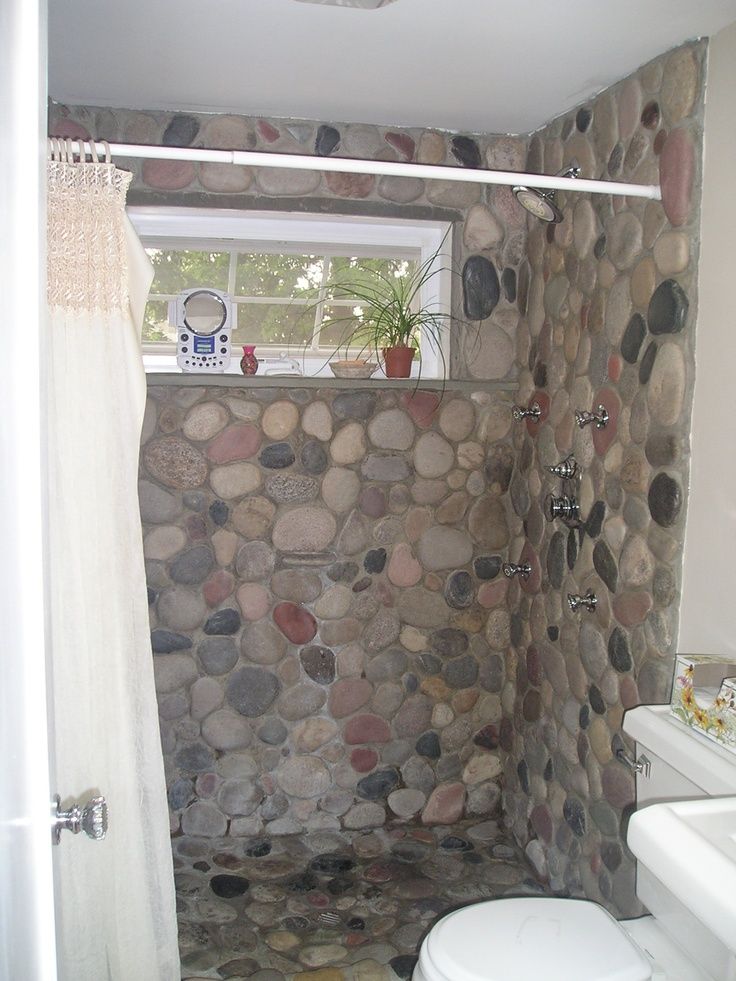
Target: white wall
[[708, 608]]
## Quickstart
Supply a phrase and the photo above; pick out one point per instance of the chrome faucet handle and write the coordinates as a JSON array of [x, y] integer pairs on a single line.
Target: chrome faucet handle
[[563, 507], [565, 469], [90, 818], [588, 602], [533, 411], [600, 418], [522, 571]]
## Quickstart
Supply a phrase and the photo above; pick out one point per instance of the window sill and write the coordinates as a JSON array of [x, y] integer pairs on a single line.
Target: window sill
[[190, 380]]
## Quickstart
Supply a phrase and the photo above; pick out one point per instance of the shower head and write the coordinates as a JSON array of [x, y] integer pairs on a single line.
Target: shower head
[[541, 204]]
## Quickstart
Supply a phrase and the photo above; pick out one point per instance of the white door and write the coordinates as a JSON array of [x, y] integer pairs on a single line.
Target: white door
[[27, 947]]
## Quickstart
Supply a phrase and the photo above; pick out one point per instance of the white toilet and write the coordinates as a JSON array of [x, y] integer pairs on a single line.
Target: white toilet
[[550, 939]]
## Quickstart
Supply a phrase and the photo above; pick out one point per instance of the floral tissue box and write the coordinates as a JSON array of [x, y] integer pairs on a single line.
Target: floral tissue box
[[704, 696]]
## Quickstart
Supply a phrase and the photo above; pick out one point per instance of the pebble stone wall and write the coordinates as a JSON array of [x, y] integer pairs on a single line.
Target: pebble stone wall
[[609, 299], [328, 620], [490, 227]]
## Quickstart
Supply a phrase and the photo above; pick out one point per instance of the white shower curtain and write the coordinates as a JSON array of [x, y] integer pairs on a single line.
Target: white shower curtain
[[115, 898]]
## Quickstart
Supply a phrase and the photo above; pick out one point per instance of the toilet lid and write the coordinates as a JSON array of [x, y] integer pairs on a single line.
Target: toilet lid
[[528, 939]]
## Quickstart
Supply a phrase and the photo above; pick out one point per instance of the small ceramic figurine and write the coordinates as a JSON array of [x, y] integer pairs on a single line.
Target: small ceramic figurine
[[249, 361]]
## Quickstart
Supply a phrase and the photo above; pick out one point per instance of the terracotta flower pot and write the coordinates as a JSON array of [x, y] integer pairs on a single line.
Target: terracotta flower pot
[[397, 361]]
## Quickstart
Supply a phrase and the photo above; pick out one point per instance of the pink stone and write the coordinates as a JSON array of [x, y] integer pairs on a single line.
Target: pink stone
[[602, 438], [196, 528], [618, 785], [268, 132], [632, 607], [403, 143], [421, 406], [68, 129], [676, 174], [615, 365], [234, 443], [168, 175], [367, 729], [403, 568], [363, 760], [541, 821], [295, 623], [373, 502], [629, 692], [595, 863], [381, 872], [347, 695], [350, 185], [543, 401], [629, 108], [318, 899], [445, 805], [253, 600], [534, 670], [529, 557], [492, 594], [217, 588]]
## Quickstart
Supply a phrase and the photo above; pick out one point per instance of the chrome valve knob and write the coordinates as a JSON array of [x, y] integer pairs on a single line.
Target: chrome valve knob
[[565, 469], [90, 818], [588, 602], [563, 507], [533, 411], [600, 418], [522, 571]]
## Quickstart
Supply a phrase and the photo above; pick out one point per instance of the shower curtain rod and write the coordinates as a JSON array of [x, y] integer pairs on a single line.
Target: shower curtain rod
[[388, 168]]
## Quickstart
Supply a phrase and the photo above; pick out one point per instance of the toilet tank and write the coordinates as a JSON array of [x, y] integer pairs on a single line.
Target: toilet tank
[[682, 763]]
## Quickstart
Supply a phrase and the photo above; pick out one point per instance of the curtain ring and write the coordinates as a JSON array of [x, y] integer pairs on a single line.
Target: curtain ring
[[93, 151], [70, 150], [108, 155]]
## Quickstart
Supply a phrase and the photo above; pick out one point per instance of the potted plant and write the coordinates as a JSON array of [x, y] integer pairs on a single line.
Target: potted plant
[[388, 316]]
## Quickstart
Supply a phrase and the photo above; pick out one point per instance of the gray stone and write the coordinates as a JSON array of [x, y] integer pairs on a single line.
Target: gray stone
[[203, 819], [459, 590], [319, 663], [157, 505], [251, 691], [167, 641], [556, 559], [195, 759], [462, 672], [273, 732], [382, 631], [303, 776], [386, 666], [449, 641], [605, 565], [313, 457], [304, 529], [391, 429], [255, 561], [487, 566], [354, 405], [174, 671], [277, 456], [384, 467], [263, 643], [301, 701], [192, 566], [441, 547], [218, 655], [291, 488], [226, 731]]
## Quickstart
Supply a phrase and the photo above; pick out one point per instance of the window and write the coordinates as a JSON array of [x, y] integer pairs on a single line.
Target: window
[[277, 268]]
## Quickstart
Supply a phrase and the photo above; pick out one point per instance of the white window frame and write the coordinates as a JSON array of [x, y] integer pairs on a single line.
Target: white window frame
[[180, 228]]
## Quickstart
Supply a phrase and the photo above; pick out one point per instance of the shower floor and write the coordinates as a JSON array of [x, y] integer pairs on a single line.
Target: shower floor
[[332, 907]]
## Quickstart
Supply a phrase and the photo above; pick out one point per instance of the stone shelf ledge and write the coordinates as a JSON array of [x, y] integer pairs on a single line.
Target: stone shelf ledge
[[299, 381]]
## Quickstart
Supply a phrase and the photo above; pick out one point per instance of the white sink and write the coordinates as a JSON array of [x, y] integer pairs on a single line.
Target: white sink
[[690, 846]]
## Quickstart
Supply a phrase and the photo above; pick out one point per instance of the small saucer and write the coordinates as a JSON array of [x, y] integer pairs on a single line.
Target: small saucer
[[353, 369]]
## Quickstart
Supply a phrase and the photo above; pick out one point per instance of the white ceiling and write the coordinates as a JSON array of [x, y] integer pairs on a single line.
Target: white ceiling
[[462, 65]]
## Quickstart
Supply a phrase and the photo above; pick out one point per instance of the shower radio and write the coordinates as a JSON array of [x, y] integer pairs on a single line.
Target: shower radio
[[203, 321]]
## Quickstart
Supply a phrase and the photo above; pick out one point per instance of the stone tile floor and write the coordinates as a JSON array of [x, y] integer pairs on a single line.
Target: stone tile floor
[[325, 906]]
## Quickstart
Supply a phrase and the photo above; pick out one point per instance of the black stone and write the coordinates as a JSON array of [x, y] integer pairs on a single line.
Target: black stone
[[454, 843], [449, 641], [596, 700], [553, 633], [355, 923], [342, 571], [409, 852], [201, 866], [549, 770], [379, 784], [327, 141], [662, 450], [259, 849], [375, 560], [584, 716], [223, 622], [181, 131], [313, 457], [556, 559], [152, 595], [403, 965], [229, 886], [664, 585], [615, 159], [195, 759], [481, 290], [668, 308], [665, 499], [430, 663], [459, 590], [605, 565], [362, 584], [465, 151], [219, 512], [508, 284], [472, 858], [340, 885], [599, 249], [354, 405], [619, 652], [462, 672], [166, 641], [540, 375], [487, 737], [319, 663], [331, 864], [650, 115], [428, 745], [612, 855], [517, 628], [574, 814], [181, 792], [193, 566], [633, 338], [594, 522], [583, 118], [302, 883], [522, 771], [647, 362], [277, 456], [499, 466], [572, 548], [295, 923], [487, 566], [411, 683]]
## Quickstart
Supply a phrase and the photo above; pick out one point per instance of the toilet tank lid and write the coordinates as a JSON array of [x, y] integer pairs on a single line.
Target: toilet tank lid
[[532, 937], [699, 759]]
